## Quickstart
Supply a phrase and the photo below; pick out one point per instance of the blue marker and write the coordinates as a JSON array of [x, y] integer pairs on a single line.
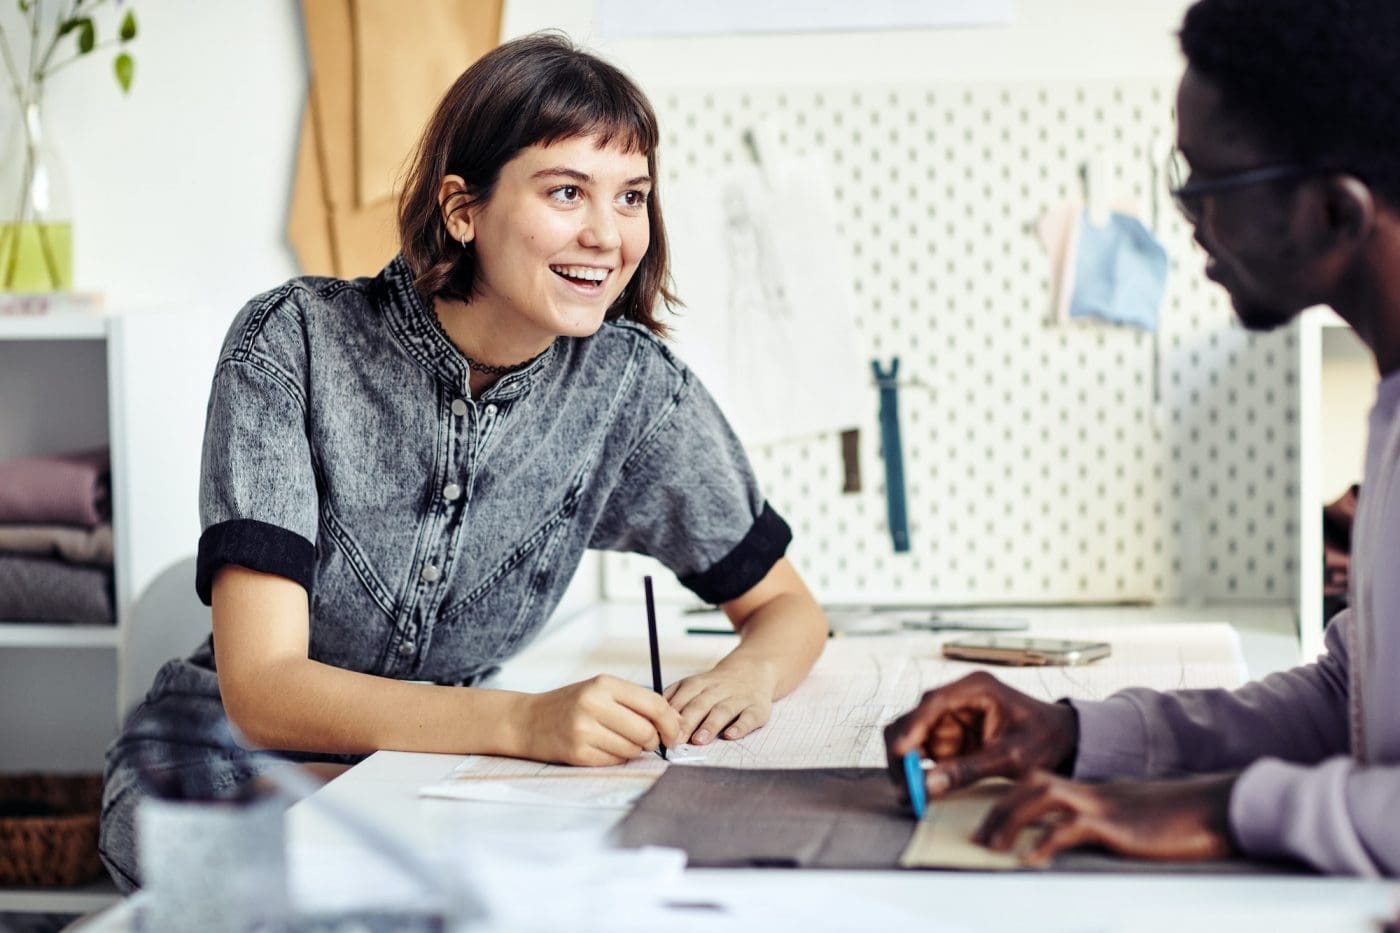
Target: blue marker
[[914, 777]]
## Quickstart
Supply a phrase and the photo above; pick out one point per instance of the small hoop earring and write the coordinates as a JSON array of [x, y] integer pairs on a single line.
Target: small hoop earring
[[464, 241]]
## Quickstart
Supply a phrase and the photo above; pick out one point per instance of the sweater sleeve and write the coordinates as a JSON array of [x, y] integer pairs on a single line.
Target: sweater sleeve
[[1297, 716], [1338, 816]]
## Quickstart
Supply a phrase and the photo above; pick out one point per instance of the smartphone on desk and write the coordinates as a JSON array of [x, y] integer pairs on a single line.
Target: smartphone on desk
[[1024, 652]]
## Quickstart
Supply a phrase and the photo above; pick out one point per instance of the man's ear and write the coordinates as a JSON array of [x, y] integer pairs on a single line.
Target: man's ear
[[1349, 209], [454, 203]]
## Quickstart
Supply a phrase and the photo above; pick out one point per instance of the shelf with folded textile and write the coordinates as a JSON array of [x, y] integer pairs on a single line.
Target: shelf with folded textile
[[56, 549], [1336, 388], [100, 435]]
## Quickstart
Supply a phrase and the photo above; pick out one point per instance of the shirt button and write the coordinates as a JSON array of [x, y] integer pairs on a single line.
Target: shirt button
[[490, 409], [430, 573], [406, 648], [451, 492], [459, 407]]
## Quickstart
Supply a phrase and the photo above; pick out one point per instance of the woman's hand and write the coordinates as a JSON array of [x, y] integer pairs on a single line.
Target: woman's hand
[[978, 727], [1176, 820], [730, 701], [602, 721]]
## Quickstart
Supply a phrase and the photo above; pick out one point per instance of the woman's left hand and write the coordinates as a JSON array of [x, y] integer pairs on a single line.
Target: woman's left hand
[[730, 701], [1171, 820]]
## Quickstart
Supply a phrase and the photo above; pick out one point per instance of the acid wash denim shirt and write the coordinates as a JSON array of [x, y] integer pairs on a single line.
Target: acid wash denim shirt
[[434, 532]]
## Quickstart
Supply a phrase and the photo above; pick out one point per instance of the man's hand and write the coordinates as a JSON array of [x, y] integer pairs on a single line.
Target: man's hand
[[978, 727], [1176, 820], [730, 701]]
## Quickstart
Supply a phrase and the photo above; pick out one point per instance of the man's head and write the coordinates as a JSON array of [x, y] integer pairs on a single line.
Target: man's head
[[1311, 90]]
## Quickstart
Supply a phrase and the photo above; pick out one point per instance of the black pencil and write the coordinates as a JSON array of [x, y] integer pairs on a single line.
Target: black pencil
[[651, 637]]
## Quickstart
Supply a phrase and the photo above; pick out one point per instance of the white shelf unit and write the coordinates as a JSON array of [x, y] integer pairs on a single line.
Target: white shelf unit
[[137, 382], [1336, 388]]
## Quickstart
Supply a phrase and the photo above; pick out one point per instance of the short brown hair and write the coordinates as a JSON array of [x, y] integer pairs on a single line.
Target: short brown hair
[[531, 91]]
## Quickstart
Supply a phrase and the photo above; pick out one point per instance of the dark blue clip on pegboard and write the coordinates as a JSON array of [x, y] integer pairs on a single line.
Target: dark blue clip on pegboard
[[892, 452]]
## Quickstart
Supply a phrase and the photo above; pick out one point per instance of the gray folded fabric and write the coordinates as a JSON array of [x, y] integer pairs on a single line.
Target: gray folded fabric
[[75, 545], [786, 818], [34, 589], [822, 818]]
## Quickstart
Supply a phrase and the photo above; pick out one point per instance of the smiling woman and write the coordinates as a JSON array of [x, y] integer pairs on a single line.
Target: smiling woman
[[402, 473]]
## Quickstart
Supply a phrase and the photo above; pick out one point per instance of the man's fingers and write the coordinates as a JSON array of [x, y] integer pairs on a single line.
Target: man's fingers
[[1039, 799], [953, 773], [1067, 835], [974, 698]]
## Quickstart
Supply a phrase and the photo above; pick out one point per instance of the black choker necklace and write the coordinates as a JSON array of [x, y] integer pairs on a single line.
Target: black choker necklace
[[497, 370]]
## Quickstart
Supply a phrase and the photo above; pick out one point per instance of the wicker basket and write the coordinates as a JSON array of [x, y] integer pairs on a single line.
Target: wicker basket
[[52, 842]]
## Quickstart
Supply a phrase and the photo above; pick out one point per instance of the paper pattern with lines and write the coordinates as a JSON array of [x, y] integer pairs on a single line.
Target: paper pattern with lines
[[836, 717]]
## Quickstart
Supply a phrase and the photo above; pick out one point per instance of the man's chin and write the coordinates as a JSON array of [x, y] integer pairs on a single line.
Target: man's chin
[[1261, 318]]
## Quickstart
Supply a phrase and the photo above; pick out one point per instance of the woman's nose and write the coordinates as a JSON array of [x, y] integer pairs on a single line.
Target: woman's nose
[[600, 230]]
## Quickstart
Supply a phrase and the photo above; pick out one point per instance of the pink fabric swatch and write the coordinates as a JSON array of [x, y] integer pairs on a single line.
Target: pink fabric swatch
[[60, 489]]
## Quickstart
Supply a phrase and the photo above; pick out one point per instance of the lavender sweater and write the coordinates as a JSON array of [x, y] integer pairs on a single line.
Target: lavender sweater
[[1319, 745]]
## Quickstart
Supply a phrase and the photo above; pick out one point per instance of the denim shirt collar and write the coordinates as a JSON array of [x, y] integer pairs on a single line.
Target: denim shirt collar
[[417, 327]]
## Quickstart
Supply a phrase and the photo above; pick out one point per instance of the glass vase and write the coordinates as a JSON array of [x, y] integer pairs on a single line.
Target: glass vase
[[36, 220]]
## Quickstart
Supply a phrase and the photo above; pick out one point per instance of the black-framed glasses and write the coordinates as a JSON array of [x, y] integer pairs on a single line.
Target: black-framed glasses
[[1189, 195]]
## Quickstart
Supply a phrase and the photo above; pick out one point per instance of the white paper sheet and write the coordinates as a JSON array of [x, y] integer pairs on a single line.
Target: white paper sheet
[[837, 715], [756, 260]]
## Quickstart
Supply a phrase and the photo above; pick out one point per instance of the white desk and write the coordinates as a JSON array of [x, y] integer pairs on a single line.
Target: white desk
[[387, 784], [613, 638]]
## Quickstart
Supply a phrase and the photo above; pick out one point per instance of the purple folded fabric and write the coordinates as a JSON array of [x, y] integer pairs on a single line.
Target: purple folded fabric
[[59, 489], [37, 590], [65, 542]]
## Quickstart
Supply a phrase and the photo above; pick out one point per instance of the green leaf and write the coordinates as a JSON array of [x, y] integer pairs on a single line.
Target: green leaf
[[67, 26], [87, 36], [126, 70], [24, 6], [128, 30]]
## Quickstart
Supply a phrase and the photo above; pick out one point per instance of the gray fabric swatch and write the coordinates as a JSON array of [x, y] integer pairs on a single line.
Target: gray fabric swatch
[[848, 818], [793, 818], [40, 590]]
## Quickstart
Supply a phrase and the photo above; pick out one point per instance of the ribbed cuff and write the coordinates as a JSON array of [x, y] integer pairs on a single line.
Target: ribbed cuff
[[1112, 739], [257, 546], [737, 572]]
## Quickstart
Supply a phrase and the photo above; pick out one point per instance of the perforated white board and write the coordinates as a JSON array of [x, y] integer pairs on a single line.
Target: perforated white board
[[1038, 466]]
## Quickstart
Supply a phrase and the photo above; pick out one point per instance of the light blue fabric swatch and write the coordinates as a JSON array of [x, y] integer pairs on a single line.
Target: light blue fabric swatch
[[1120, 274]]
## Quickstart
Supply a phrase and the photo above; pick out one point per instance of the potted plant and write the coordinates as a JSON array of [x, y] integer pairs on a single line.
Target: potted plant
[[35, 217]]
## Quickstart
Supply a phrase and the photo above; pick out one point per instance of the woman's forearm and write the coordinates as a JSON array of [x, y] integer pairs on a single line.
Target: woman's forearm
[[783, 637], [298, 704]]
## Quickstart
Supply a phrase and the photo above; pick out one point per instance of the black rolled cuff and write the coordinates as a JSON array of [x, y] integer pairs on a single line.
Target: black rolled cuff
[[257, 546], [738, 571]]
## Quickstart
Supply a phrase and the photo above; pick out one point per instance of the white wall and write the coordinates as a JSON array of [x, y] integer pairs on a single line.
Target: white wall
[[181, 187], [1049, 39]]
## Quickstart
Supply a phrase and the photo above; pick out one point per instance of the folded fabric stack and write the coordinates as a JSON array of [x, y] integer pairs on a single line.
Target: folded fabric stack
[[56, 539]]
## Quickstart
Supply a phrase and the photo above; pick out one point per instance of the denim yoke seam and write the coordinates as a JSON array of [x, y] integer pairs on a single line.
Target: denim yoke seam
[[550, 524], [645, 445]]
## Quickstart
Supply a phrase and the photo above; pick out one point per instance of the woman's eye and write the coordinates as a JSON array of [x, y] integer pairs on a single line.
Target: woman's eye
[[565, 193], [633, 198]]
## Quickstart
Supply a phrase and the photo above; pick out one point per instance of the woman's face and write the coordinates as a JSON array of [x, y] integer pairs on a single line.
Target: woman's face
[[560, 237]]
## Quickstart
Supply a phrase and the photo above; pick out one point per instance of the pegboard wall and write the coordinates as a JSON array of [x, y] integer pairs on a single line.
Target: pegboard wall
[[1044, 462]]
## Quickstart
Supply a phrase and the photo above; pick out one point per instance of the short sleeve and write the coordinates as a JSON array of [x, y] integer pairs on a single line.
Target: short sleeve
[[258, 495], [688, 497]]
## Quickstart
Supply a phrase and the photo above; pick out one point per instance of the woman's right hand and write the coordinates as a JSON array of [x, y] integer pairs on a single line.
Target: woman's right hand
[[978, 727], [601, 721]]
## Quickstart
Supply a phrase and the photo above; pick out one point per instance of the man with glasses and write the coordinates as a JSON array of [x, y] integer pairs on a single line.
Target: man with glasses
[[1289, 170]]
